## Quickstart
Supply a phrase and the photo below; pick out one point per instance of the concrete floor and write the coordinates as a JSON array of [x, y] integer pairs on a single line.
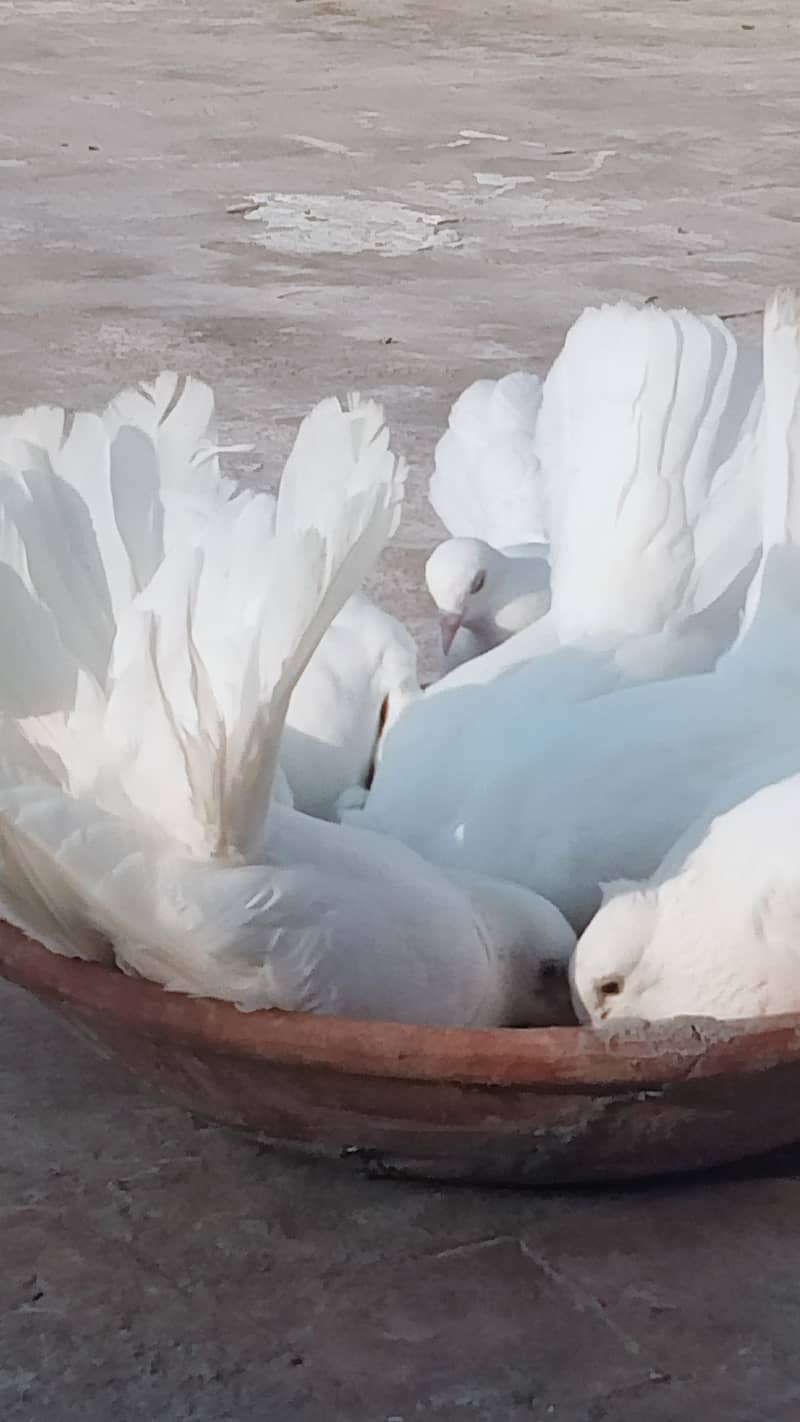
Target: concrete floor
[[152, 1267]]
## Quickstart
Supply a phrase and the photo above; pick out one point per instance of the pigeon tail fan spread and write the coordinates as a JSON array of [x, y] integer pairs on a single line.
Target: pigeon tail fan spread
[[90, 506], [776, 586], [648, 460], [175, 417], [124, 602], [201, 674], [652, 462], [633, 448], [135, 796], [781, 510], [487, 482], [713, 921], [216, 681]]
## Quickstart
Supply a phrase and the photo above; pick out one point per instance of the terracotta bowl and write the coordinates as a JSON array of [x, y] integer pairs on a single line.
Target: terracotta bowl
[[513, 1107]]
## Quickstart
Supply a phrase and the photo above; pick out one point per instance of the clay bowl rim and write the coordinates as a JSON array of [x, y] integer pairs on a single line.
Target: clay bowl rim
[[565, 1059]]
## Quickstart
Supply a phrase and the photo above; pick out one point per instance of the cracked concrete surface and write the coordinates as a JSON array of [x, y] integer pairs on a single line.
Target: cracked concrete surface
[[154, 1267]]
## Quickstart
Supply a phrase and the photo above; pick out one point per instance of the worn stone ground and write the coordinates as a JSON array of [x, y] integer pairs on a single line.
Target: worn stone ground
[[154, 1268]]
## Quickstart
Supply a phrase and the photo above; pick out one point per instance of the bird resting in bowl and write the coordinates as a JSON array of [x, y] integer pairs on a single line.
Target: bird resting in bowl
[[156, 621]]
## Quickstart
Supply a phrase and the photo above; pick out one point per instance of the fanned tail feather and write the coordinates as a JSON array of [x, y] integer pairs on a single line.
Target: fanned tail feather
[[487, 482], [155, 620], [216, 647], [781, 504], [775, 591], [88, 508], [641, 412]]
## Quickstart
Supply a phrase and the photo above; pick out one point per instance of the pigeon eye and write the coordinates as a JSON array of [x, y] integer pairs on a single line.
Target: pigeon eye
[[550, 970], [610, 987], [477, 582]]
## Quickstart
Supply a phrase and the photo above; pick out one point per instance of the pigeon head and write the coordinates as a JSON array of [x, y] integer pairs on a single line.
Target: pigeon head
[[533, 944], [461, 575], [608, 969]]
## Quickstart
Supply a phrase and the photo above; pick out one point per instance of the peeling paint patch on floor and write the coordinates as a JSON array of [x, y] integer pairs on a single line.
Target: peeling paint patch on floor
[[345, 223]]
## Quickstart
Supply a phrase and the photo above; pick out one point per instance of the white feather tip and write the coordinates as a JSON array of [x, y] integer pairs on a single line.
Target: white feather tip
[[782, 309]]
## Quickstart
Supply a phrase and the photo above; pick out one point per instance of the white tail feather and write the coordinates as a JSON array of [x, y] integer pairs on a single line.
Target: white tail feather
[[153, 624], [639, 413], [177, 415], [781, 507], [119, 532], [487, 482], [90, 506], [184, 723], [775, 590], [222, 641]]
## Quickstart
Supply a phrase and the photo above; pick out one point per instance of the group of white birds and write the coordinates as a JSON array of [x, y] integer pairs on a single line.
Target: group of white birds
[[218, 769]]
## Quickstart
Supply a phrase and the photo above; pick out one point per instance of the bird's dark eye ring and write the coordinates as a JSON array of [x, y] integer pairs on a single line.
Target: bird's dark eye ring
[[610, 987], [477, 582], [550, 970]]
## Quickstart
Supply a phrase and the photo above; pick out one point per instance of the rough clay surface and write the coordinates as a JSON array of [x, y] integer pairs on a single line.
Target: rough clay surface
[[156, 1268]]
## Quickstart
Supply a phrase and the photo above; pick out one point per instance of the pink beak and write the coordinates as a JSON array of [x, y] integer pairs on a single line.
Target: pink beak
[[450, 626]]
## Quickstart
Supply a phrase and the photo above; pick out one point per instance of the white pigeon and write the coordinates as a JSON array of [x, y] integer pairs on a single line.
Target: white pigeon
[[143, 693], [492, 577], [485, 594], [515, 776], [652, 507], [715, 932], [164, 437], [606, 787]]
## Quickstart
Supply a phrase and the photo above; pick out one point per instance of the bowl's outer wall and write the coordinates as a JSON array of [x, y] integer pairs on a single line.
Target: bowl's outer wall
[[538, 1107]]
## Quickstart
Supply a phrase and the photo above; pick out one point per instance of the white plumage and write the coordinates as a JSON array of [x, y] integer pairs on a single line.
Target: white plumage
[[487, 481], [653, 512], [164, 483], [185, 664], [492, 577], [647, 438], [715, 929], [485, 595], [514, 775], [363, 672], [715, 932], [360, 678], [143, 716]]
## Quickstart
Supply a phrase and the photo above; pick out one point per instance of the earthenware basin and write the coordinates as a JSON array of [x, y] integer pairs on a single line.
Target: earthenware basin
[[513, 1107]]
